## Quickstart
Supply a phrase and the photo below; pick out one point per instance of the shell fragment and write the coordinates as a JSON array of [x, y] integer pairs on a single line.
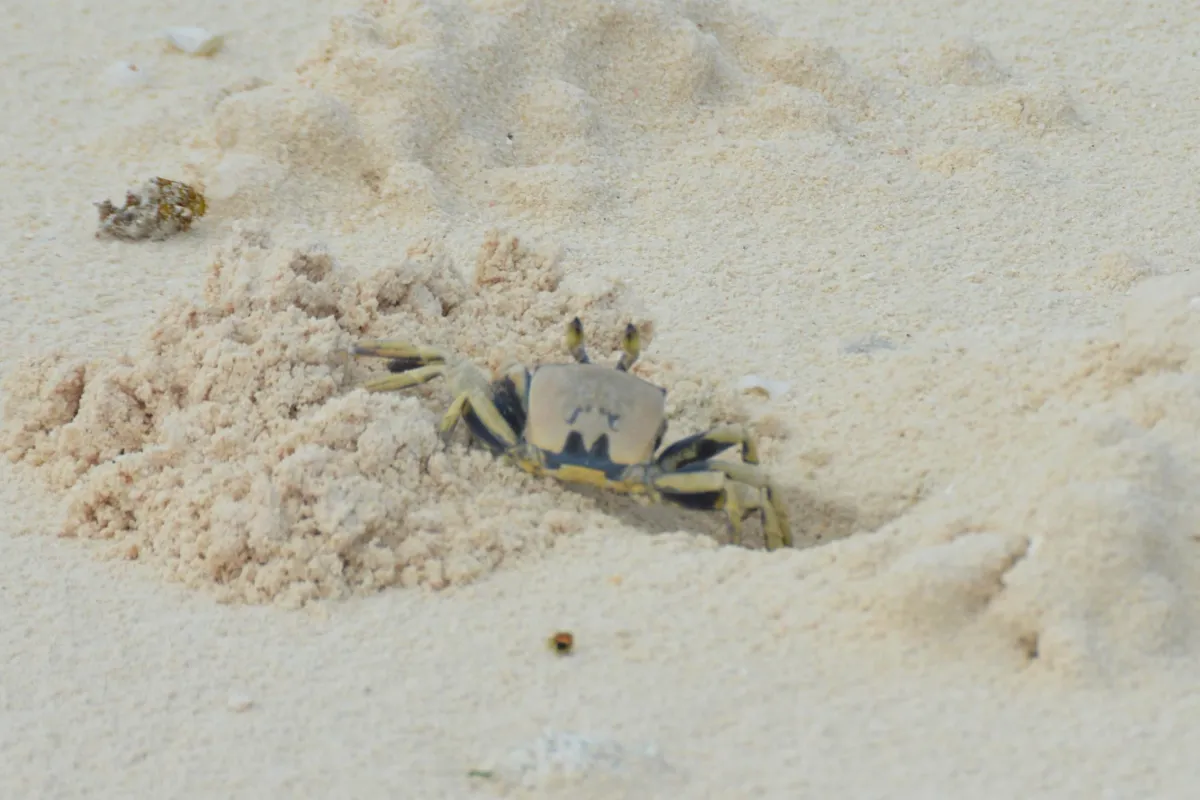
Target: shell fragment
[[194, 41], [756, 384]]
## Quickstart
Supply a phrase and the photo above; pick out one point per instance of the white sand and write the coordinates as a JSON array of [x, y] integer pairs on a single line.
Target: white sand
[[962, 238]]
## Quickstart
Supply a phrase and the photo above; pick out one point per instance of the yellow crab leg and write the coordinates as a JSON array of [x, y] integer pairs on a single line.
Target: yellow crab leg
[[701, 446], [400, 350], [403, 380], [738, 489], [453, 414]]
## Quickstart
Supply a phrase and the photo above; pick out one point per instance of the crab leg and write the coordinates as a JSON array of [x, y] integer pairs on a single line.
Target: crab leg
[[486, 421], [750, 476], [403, 380], [738, 489], [453, 414], [400, 351], [701, 446]]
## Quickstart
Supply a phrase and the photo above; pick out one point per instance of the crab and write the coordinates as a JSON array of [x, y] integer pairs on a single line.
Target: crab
[[587, 424]]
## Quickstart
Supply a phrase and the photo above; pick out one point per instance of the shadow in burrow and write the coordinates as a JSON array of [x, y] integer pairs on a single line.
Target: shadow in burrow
[[814, 520]]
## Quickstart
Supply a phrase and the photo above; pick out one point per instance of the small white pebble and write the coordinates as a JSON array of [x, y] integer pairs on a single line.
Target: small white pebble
[[125, 73], [239, 702], [559, 759], [195, 41]]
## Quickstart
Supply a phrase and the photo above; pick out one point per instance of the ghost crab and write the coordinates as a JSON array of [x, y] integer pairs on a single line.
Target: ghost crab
[[588, 424]]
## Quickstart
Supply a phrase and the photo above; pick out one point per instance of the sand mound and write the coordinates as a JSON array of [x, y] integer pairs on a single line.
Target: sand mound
[[232, 448], [1076, 542], [961, 62], [526, 108]]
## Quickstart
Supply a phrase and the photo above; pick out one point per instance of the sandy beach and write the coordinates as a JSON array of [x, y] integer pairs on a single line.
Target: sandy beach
[[937, 257]]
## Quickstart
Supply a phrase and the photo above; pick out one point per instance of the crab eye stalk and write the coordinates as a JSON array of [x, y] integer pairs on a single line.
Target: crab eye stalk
[[631, 345], [575, 341]]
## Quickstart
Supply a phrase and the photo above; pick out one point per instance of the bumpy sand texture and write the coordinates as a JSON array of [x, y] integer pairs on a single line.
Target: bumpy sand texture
[[1051, 513], [1053, 525], [233, 449], [1076, 537], [435, 108], [962, 234]]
